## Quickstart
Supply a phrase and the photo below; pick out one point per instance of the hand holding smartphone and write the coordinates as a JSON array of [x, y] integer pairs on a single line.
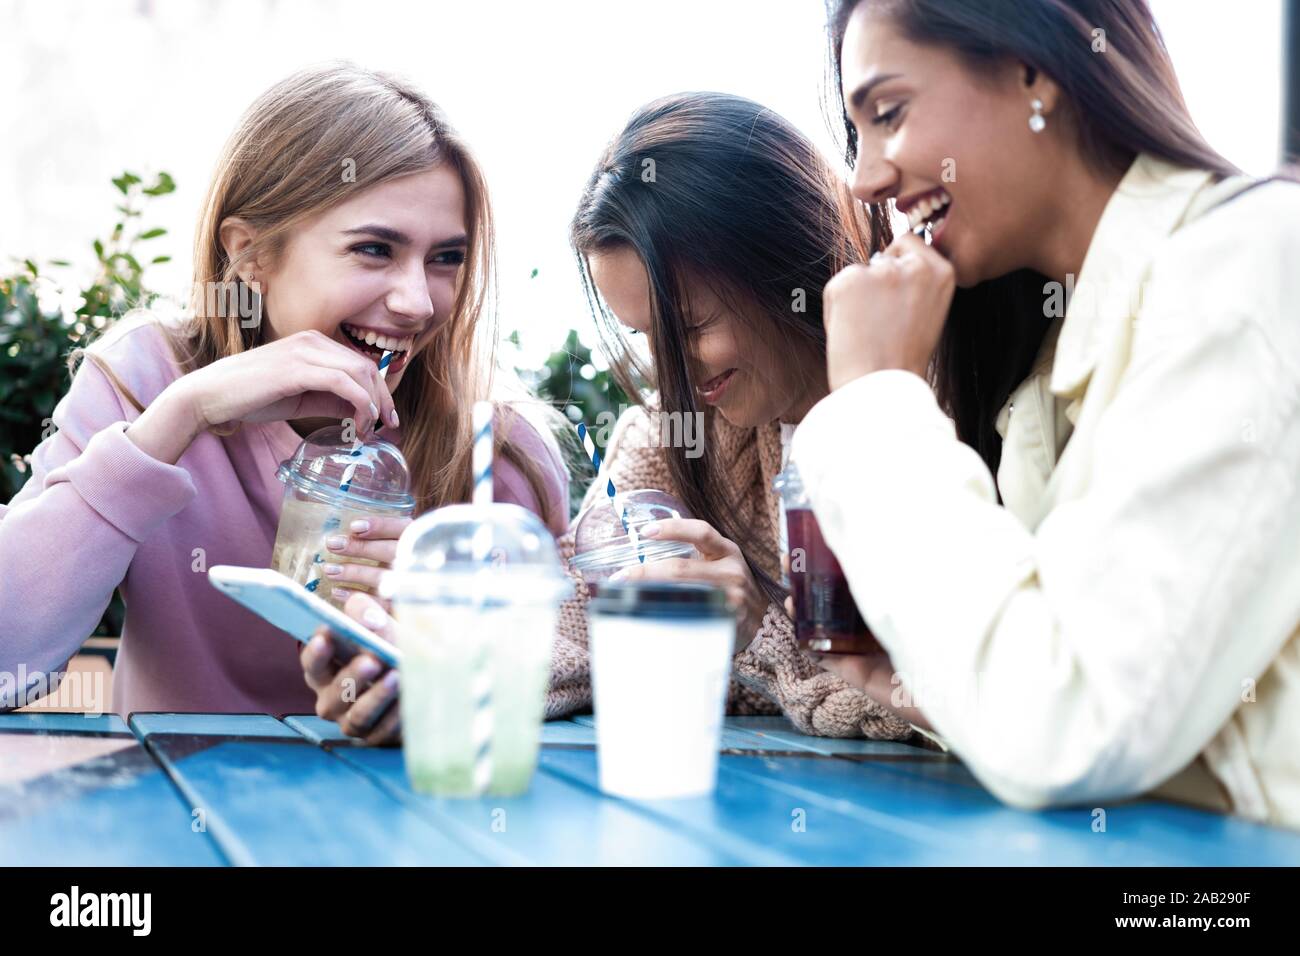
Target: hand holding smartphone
[[297, 611]]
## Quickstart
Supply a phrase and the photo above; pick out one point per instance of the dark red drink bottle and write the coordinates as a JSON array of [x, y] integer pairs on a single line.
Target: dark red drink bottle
[[826, 618]]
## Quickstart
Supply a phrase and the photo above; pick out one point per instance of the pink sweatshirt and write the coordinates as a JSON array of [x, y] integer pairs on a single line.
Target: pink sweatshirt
[[98, 513]]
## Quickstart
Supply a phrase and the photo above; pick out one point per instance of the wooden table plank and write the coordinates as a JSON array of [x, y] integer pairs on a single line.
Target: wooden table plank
[[81, 791], [1137, 833], [270, 797], [734, 736], [553, 731], [754, 819], [556, 823]]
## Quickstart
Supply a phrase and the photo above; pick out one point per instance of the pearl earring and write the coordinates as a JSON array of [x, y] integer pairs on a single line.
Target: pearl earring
[[1037, 122]]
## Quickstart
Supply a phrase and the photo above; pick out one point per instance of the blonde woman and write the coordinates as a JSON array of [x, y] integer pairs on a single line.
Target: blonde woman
[[346, 202]]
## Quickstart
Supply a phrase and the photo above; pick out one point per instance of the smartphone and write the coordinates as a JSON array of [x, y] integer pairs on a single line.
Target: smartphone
[[292, 608]]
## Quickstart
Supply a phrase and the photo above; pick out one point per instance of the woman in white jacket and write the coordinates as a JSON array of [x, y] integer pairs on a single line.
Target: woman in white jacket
[[1108, 321]]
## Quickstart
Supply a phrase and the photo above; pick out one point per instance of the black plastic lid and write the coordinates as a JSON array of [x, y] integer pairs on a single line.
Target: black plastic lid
[[661, 599]]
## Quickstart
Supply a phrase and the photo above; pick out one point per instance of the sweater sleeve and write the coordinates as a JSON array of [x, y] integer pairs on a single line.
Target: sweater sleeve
[[70, 533], [816, 701]]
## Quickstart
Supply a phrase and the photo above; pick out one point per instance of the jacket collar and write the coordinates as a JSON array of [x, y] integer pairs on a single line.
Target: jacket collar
[[1150, 202]]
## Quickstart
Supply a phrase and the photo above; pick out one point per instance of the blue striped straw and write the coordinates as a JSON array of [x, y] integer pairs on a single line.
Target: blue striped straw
[[584, 435], [481, 726], [332, 523], [356, 449], [482, 456]]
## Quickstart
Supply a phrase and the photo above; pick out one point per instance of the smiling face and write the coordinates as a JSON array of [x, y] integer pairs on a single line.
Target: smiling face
[[383, 266], [751, 378], [930, 129]]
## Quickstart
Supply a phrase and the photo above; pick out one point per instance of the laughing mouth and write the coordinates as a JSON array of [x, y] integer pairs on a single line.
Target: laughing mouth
[[373, 345], [929, 211], [714, 386]]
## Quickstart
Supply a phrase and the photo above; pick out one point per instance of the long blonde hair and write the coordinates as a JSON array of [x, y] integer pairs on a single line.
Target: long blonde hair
[[286, 162]]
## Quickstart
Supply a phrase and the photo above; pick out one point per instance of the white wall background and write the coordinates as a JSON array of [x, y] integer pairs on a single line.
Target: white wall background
[[89, 87]]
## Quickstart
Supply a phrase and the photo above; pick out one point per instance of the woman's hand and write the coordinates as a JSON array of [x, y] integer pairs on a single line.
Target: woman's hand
[[887, 314], [372, 538], [304, 375], [720, 563], [359, 696]]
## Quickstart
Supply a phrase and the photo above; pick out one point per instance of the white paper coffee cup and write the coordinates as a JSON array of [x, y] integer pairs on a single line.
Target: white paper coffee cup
[[660, 663]]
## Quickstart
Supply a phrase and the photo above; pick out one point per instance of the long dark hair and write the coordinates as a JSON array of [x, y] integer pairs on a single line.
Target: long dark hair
[[1124, 102], [739, 198]]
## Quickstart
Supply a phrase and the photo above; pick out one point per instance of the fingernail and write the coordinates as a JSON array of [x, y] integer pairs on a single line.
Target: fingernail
[[333, 569], [336, 542], [317, 645], [374, 412], [374, 617], [369, 667], [392, 417], [390, 680], [360, 526], [648, 530]]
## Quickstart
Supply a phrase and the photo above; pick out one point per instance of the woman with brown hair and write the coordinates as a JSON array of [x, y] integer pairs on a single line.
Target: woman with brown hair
[[719, 259], [1058, 464], [359, 221]]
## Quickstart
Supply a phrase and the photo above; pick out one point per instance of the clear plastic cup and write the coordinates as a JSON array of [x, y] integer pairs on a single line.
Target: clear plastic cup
[[602, 545], [315, 505], [645, 637], [475, 591], [826, 617]]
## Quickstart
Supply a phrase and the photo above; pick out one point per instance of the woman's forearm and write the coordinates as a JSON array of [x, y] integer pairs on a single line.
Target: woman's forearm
[[167, 428]]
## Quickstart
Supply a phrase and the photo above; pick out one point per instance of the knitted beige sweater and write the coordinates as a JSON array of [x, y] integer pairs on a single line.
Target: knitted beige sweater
[[771, 675]]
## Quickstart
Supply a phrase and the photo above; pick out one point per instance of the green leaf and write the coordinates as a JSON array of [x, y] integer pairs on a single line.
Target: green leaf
[[157, 259], [60, 262], [31, 266], [125, 182], [99, 250], [162, 185], [153, 233]]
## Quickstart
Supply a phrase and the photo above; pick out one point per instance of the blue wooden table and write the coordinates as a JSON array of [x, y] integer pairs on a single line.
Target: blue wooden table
[[215, 789]]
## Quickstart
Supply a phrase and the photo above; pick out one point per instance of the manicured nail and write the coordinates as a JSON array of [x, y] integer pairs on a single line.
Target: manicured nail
[[648, 530], [392, 418], [390, 680], [360, 526], [369, 667], [374, 412], [333, 569], [374, 617], [336, 542]]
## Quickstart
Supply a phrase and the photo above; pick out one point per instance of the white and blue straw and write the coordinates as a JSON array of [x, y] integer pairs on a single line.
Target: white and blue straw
[[332, 523], [481, 680], [584, 435]]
